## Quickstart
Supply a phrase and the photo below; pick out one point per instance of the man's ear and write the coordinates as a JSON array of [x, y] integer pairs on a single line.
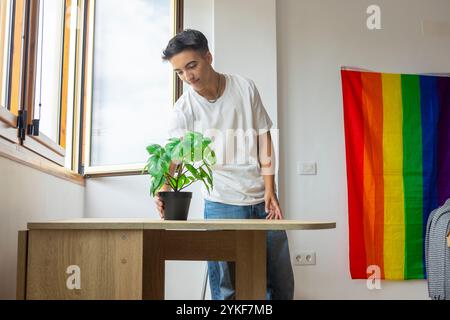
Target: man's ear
[[209, 57]]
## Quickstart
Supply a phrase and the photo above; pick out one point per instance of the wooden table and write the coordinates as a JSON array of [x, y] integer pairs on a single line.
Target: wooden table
[[125, 258]]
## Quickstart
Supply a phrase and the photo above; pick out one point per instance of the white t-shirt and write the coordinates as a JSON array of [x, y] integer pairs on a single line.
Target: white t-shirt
[[233, 123]]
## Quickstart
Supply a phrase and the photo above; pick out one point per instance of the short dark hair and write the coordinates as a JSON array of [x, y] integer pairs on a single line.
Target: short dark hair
[[186, 40]]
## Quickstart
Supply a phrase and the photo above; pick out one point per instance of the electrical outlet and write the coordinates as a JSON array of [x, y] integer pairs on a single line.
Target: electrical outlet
[[306, 258]]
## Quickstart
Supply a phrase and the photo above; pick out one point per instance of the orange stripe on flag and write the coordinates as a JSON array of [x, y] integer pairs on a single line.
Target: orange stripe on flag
[[373, 196]]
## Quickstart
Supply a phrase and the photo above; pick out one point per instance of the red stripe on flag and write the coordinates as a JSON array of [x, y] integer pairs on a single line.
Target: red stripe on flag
[[354, 144]]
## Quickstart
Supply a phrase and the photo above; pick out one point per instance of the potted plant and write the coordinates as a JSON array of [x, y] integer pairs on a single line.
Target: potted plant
[[193, 158]]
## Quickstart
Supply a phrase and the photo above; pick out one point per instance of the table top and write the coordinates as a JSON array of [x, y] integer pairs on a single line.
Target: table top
[[211, 224]]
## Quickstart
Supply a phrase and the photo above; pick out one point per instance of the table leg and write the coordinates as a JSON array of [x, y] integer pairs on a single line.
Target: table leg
[[250, 265], [153, 276]]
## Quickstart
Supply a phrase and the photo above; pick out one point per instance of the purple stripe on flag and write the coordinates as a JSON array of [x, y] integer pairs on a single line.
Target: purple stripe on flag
[[443, 177]]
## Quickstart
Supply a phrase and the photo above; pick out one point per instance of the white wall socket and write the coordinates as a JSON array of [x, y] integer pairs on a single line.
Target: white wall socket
[[305, 258]]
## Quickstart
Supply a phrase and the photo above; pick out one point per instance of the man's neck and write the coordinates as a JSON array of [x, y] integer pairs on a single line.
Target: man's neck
[[210, 92]]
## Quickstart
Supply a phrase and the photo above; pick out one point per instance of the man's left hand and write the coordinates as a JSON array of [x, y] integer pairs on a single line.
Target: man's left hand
[[273, 209]]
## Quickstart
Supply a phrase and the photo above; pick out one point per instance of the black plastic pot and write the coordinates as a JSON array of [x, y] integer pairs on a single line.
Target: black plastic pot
[[176, 204]]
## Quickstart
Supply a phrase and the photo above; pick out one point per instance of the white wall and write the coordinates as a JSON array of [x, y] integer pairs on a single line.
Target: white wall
[[28, 195], [245, 44], [316, 38]]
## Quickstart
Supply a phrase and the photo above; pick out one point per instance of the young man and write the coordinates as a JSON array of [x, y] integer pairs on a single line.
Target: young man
[[228, 108]]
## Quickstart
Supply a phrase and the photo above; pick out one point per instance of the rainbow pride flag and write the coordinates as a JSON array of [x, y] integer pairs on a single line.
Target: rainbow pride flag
[[397, 134]]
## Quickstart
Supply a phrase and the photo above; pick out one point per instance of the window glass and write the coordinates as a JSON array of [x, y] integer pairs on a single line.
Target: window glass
[[5, 45], [131, 85], [49, 67]]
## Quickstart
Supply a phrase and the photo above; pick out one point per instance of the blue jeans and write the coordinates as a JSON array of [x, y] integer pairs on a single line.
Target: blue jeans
[[280, 278]]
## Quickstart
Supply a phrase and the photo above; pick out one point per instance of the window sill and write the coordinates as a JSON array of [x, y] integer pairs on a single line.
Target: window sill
[[39, 146], [114, 170], [26, 157], [7, 117]]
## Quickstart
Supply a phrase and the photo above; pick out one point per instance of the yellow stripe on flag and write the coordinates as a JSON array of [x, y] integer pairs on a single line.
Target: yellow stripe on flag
[[394, 217]]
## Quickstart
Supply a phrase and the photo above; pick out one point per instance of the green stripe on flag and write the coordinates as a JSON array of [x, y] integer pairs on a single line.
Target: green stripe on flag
[[412, 176]]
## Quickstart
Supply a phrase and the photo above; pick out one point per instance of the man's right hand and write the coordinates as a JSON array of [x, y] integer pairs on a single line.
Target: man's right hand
[[159, 205], [159, 202]]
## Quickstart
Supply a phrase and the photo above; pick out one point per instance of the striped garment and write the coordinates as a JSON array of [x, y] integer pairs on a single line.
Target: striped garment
[[437, 253], [397, 134]]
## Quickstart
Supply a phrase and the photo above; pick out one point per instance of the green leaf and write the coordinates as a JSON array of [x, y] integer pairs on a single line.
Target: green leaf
[[177, 152], [192, 136], [211, 176], [205, 175], [197, 153], [193, 171], [192, 146], [181, 182], [157, 166], [210, 156], [172, 182], [151, 189], [187, 182], [188, 152], [206, 185], [160, 184], [165, 165], [156, 184], [198, 135], [205, 143], [174, 139], [209, 171], [198, 146], [154, 167], [154, 148], [171, 146]]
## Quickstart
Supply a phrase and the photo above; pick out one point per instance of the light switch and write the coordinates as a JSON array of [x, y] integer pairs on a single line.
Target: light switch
[[307, 168]]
